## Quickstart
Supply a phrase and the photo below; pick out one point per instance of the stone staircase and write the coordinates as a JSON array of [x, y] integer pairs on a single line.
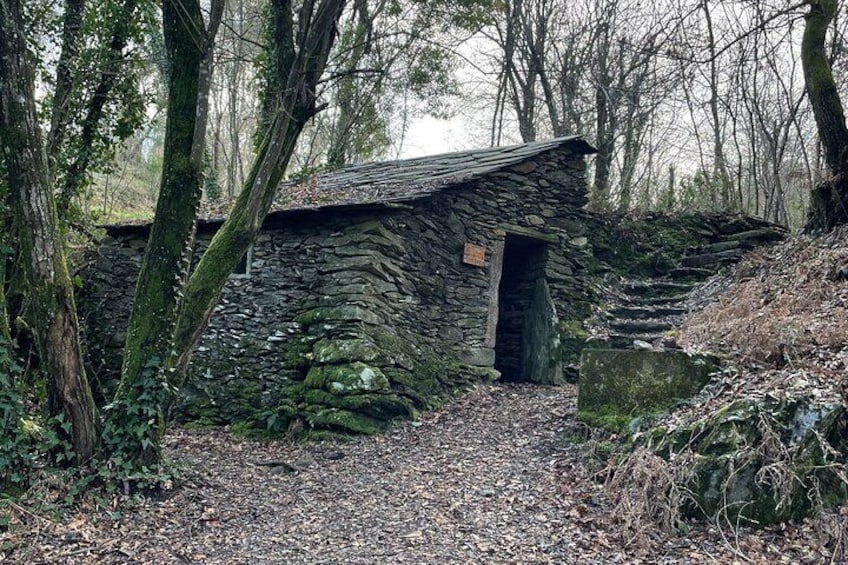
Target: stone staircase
[[643, 311]]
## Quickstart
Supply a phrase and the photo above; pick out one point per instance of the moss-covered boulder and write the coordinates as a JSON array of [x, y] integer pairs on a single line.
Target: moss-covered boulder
[[761, 460], [631, 382], [353, 378], [383, 407], [343, 421], [332, 351]]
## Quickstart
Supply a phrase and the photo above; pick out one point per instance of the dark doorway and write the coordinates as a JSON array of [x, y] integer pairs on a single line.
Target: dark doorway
[[523, 267]]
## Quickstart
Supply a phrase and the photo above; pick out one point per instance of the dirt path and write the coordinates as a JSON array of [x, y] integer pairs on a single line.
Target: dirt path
[[490, 478]]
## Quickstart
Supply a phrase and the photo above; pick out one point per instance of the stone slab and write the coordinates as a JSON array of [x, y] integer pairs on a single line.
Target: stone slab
[[628, 381]]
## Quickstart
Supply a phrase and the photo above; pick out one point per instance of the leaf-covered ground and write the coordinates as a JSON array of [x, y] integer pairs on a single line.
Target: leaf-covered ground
[[502, 475]]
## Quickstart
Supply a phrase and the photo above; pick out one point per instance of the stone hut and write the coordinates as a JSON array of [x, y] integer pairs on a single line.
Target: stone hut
[[376, 290]]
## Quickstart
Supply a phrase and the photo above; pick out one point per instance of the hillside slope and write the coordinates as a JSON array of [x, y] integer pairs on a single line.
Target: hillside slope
[[767, 438], [783, 307]]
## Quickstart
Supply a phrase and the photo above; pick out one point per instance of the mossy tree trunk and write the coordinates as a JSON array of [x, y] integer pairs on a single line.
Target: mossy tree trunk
[[143, 391], [300, 56], [829, 200], [164, 327], [50, 307]]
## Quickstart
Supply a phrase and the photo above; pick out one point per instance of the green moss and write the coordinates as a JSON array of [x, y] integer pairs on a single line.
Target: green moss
[[632, 381], [384, 407], [297, 355], [334, 419], [421, 386], [352, 378], [243, 429], [607, 420]]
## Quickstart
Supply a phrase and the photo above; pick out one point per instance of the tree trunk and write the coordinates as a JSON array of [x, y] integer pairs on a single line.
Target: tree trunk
[[603, 160], [342, 127], [720, 174], [50, 299], [97, 108], [166, 261], [604, 133], [829, 200], [164, 329], [295, 91], [60, 111]]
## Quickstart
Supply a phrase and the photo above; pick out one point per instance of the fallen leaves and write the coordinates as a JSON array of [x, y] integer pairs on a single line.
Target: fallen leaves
[[781, 306], [490, 478]]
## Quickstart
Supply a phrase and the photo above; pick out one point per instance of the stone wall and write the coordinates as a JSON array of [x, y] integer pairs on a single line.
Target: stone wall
[[352, 317]]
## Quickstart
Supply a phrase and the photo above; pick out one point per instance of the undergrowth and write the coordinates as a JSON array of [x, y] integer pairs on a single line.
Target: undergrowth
[[654, 493], [39, 475], [780, 317], [781, 305]]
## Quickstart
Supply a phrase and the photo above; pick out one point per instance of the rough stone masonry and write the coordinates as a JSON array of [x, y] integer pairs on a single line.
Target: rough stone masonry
[[375, 291]]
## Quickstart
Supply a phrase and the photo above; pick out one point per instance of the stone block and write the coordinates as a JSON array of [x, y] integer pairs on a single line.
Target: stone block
[[478, 357], [353, 378], [630, 382]]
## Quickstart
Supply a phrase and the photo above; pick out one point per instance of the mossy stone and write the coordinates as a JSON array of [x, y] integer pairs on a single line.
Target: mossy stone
[[353, 378], [731, 448], [385, 407], [333, 351], [632, 382], [345, 421]]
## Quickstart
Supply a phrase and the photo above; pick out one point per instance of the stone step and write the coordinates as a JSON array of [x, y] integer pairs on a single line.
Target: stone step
[[757, 236], [720, 258], [654, 288], [699, 273], [741, 225], [626, 341], [646, 312], [720, 246], [640, 326], [663, 300]]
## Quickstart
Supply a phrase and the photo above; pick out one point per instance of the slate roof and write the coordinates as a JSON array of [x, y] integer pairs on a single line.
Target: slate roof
[[408, 179], [400, 181]]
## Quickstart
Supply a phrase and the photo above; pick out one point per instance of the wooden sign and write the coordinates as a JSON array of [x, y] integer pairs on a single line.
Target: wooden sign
[[474, 255]]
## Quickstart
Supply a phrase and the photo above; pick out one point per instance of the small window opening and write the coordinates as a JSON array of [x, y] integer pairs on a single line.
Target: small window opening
[[243, 267]]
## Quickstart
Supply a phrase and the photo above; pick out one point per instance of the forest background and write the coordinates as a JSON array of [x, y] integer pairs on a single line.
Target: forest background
[[108, 109]]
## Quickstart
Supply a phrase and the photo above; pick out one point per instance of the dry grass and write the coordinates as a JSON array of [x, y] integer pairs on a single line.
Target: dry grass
[[787, 303], [780, 320], [649, 491]]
